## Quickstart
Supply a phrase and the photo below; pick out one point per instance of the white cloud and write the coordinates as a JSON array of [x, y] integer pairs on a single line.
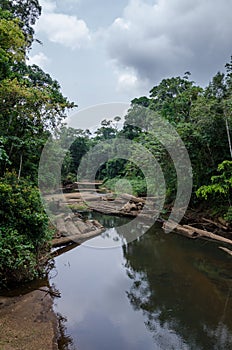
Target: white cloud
[[61, 28], [39, 59], [48, 5], [127, 80], [169, 37]]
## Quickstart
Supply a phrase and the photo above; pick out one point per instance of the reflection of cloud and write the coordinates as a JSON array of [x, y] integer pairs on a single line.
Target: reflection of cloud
[[169, 37], [39, 59], [96, 287], [222, 336], [63, 29], [97, 291], [163, 333]]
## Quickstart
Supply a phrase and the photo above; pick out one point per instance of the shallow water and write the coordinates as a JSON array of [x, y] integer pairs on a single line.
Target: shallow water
[[162, 291]]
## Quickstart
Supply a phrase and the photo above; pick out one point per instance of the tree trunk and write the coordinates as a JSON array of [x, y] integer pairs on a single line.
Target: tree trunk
[[193, 232], [228, 135], [228, 251], [20, 166]]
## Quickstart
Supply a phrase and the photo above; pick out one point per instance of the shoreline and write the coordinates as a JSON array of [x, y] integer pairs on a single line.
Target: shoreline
[[28, 322]]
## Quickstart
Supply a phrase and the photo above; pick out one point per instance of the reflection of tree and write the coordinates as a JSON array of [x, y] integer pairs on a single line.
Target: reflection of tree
[[109, 221], [65, 342], [182, 307]]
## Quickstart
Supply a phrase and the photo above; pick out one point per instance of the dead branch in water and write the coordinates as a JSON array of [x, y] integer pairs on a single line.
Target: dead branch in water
[[228, 251], [193, 232]]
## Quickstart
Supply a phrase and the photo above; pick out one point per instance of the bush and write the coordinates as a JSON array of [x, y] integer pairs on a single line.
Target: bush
[[138, 185], [24, 230], [220, 190], [228, 216], [21, 209], [17, 261]]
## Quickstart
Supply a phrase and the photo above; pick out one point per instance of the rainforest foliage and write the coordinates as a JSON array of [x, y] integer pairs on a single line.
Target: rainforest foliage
[[32, 107], [202, 118], [31, 104]]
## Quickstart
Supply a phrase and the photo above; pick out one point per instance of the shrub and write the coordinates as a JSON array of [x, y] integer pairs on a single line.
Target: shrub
[[21, 209], [220, 190], [24, 230], [17, 260]]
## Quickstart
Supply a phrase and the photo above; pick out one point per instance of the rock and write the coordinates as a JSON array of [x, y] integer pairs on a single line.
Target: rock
[[133, 206], [126, 207]]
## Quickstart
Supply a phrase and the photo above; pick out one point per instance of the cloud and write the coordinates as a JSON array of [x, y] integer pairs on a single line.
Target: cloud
[[62, 29], [39, 59], [169, 37], [127, 81]]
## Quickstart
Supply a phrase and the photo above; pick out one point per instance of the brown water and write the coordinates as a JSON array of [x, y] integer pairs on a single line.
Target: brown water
[[160, 292]]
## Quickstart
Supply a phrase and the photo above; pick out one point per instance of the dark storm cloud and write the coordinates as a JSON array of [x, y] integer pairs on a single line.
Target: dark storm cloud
[[171, 37]]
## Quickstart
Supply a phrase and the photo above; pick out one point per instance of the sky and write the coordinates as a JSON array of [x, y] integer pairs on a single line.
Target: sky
[[113, 51]]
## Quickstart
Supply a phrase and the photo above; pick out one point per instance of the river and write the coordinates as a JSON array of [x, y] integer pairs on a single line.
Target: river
[[162, 291]]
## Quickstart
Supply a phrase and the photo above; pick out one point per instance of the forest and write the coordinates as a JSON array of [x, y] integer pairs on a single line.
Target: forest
[[32, 106]]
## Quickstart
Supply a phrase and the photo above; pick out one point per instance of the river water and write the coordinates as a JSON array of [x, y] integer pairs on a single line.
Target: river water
[[162, 291]]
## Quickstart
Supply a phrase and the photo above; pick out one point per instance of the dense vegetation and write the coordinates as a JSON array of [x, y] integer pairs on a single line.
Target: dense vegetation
[[32, 105], [203, 119]]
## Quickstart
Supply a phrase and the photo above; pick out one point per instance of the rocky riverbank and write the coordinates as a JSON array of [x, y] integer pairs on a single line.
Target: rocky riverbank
[[28, 322]]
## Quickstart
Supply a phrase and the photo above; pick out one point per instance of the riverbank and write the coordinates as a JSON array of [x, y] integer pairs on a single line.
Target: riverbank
[[28, 322], [196, 223]]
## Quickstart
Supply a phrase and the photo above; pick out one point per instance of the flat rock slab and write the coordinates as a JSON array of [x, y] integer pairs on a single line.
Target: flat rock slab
[[28, 322]]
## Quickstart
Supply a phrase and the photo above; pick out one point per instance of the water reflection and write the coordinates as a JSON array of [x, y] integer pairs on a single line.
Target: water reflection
[[121, 230], [183, 302], [160, 292], [64, 341]]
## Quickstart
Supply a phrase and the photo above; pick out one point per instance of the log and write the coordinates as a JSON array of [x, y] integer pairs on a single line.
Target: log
[[193, 232], [88, 183], [226, 250], [53, 293], [63, 250], [91, 198], [180, 229], [95, 223], [73, 201], [207, 234], [134, 199], [74, 195], [217, 224]]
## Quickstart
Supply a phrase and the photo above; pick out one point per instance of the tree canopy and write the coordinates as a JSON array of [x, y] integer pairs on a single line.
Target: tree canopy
[[31, 107]]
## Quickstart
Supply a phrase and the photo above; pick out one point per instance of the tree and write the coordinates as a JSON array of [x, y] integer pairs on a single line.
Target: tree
[[27, 11], [31, 103], [31, 107], [173, 98], [220, 189]]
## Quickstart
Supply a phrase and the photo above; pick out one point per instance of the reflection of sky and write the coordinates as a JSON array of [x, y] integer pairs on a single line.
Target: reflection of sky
[[130, 230], [93, 285], [221, 335], [94, 298]]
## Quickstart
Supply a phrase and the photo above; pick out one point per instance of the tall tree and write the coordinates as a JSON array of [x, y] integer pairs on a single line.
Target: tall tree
[[27, 11]]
